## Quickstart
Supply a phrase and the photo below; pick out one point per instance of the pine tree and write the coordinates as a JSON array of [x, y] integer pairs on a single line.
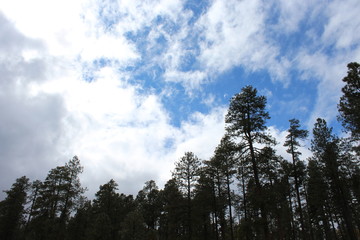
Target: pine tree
[[107, 208], [326, 149], [173, 219], [292, 142], [245, 121], [225, 156], [79, 226], [149, 203], [12, 210], [56, 198], [318, 193], [349, 105], [187, 173], [205, 206], [132, 228]]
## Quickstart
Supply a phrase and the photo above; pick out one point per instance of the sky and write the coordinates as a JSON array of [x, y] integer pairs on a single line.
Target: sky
[[130, 86]]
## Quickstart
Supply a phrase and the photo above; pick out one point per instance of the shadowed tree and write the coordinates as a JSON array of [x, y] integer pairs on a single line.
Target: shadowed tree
[[57, 197], [187, 173], [113, 207], [73, 190], [35, 188], [349, 105], [213, 180], [174, 215], [149, 203], [326, 149], [317, 190], [292, 142], [12, 209], [225, 159], [245, 121], [132, 228], [80, 225], [204, 206]]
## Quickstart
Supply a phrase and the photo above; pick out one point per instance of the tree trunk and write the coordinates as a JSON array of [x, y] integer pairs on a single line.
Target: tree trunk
[[298, 192], [229, 203], [258, 189]]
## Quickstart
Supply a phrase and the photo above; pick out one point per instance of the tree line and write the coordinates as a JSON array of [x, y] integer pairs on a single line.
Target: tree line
[[244, 191]]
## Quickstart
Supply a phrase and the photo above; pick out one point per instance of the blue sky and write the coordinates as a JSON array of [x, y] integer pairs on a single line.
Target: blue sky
[[129, 86]]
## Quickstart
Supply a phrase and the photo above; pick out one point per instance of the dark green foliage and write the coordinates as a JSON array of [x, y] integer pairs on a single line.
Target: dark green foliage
[[102, 228], [173, 220], [132, 228], [245, 121], [111, 207], [327, 151], [292, 142], [12, 210], [186, 174], [246, 116], [318, 202], [79, 227], [349, 106], [53, 200], [150, 206], [225, 161]]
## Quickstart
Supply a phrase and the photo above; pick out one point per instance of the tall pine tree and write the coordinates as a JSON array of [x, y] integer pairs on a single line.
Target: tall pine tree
[[245, 121]]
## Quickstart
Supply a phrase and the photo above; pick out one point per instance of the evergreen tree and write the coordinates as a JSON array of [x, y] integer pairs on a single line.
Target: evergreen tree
[[56, 198], [349, 106], [34, 192], [225, 159], [213, 180], [245, 121], [326, 149], [149, 203], [173, 218], [80, 226], [292, 142], [318, 193], [132, 228], [204, 207], [73, 191], [102, 228], [12, 210], [112, 207], [187, 173]]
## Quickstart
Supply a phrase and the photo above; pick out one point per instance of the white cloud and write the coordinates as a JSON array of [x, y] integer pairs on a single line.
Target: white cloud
[[328, 45], [337, 46], [117, 131], [232, 34], [291, 14], [199, 130], [120, 129], [122, 134], [31, 124], [191, 80], [343, 23]]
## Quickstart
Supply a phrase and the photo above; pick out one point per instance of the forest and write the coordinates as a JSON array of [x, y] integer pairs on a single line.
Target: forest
[[244, 191]]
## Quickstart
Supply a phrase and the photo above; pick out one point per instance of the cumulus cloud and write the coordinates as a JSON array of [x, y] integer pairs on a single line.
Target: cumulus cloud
[[31, 125], [52, 112], [122, 134]]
